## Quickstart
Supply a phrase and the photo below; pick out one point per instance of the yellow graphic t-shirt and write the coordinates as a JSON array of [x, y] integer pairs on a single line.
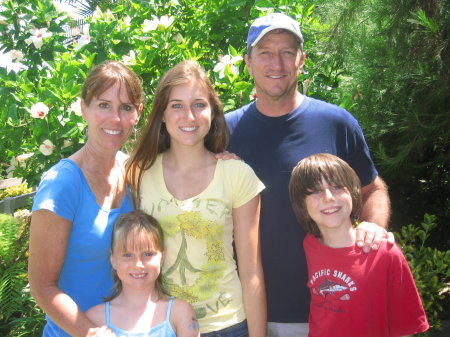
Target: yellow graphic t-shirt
[[199, 266]]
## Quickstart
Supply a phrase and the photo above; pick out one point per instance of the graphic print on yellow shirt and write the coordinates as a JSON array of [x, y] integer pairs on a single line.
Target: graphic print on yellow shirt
[[199, 266]]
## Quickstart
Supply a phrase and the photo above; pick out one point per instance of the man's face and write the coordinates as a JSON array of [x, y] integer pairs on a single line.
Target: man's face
[[275, 63]]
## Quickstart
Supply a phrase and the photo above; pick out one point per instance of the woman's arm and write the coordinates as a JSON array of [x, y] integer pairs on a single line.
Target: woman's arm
[[49, 234], [246, 236]]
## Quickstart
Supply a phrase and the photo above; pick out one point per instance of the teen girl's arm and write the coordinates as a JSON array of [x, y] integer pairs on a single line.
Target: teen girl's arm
[[246, 237], [49, 234], [183, 319]]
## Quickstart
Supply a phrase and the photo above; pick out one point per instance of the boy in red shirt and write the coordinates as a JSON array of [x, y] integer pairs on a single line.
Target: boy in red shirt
[[352, 293]]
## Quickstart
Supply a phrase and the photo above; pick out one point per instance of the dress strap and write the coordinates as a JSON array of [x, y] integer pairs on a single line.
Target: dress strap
[[107, 313], [169, 308]]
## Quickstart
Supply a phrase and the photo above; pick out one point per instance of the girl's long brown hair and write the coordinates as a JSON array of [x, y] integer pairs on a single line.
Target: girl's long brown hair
[[155, 139]]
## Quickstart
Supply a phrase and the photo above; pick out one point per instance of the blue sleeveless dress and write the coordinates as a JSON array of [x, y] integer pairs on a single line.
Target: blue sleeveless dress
[[163, 329]]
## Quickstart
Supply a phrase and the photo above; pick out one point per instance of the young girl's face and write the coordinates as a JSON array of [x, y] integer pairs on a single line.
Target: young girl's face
[[330, 207], [188, 114], [138, 262]]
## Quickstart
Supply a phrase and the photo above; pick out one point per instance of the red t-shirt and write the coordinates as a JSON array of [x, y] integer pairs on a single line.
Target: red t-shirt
[[361, 295]]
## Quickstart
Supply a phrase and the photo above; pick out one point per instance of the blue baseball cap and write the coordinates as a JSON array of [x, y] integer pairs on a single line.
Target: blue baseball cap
[[265, 24]]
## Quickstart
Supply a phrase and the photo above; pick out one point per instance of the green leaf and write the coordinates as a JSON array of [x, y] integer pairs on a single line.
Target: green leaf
[[123, 48]]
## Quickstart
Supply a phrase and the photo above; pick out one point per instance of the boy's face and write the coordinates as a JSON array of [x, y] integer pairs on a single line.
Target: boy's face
[[330, 207]]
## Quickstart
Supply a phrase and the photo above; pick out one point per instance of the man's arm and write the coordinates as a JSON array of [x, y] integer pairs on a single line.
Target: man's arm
[[376, 203], [375, 215]]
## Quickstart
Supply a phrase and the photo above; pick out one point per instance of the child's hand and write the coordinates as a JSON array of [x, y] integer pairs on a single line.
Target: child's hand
[[369, 235], [102, 331]]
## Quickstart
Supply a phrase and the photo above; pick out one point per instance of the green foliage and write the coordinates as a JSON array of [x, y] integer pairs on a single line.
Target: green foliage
[[396, 60], [14, 191], [202, 30], [19, 315], [430, 266], [386, 61]]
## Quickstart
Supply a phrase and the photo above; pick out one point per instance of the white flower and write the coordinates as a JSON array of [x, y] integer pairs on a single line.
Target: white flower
[[66, 143], [82, 41], [227, 61], [39, 110], [149, 25], [22, 214], [66, 8], [75, 107], [16, 55], [37, 37], [97, 13], [46, 147], [110, 15], [60, 7], [127, 21], [129, 59], [24, 156], [144, 38], [165, 21]]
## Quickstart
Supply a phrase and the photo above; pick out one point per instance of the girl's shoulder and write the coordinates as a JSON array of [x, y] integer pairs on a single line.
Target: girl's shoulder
[[183, 318], [97, 314], [182, 307]]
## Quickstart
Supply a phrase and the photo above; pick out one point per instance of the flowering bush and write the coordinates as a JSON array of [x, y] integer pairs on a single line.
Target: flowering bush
[[40, 115]]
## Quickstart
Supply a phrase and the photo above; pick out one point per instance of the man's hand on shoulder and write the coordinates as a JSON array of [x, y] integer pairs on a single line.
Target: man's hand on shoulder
[[369, 236]]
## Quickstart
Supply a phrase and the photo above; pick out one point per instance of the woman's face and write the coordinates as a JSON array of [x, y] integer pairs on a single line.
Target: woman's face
[[188, 115], [110, 117]]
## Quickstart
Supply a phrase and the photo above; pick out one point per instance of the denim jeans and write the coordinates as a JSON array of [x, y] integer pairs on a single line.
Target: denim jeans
[[237, 330]]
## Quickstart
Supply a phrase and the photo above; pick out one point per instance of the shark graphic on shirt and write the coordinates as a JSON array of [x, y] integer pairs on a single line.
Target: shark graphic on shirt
[[329, 287]]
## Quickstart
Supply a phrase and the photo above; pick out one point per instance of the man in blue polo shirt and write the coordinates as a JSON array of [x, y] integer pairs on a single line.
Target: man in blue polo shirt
[[275, 132]]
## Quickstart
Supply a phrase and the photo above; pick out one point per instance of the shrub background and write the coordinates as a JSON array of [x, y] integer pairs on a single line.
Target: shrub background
[[387, 62]]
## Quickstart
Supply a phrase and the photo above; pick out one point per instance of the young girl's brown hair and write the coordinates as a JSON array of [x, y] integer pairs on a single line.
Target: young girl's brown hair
[[306, 178]]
